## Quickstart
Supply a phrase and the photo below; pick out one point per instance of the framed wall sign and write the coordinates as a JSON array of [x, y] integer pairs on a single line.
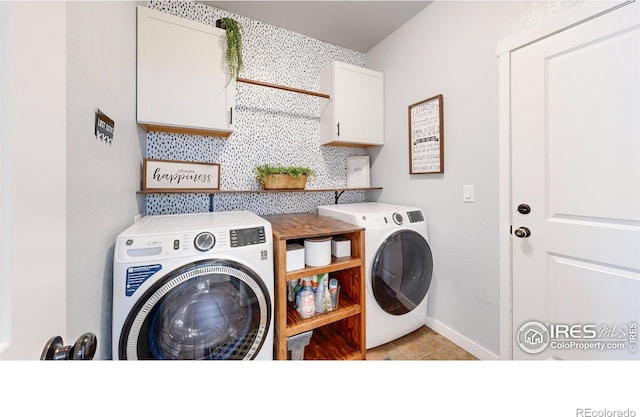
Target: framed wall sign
[[164, 175], [426, 136]]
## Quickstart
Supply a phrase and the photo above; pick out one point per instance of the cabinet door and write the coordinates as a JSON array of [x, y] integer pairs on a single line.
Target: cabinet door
[[182, 79], [355, 115]]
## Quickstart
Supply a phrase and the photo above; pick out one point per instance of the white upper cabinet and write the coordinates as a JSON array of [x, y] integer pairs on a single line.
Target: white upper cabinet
[[354, 115], [182, 76]]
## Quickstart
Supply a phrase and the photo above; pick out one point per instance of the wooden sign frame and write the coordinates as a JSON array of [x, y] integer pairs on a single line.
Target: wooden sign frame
[[426, 136], [160, 175]]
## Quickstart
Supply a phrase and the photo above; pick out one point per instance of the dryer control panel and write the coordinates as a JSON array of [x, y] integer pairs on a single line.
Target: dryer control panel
[[244, 237], [392, 219], [415, 216]]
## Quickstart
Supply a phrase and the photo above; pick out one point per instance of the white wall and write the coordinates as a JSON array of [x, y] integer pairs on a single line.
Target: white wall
[[102, 179], [450, 48]]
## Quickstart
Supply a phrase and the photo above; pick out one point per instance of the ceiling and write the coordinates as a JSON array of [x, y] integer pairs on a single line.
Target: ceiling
[[356, 25]]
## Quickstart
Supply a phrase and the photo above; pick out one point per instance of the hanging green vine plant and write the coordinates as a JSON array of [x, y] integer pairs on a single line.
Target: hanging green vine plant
[[234, 46]]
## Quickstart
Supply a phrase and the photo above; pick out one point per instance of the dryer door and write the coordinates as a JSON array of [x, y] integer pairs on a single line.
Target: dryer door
[[401, 272], [213, 309]]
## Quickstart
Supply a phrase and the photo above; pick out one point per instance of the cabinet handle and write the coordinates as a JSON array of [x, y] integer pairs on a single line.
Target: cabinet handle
[[230, 115], [338, 128]]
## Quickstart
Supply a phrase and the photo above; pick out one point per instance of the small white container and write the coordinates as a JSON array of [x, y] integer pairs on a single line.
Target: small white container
[[295, 257], [340, 246], [317, 252]]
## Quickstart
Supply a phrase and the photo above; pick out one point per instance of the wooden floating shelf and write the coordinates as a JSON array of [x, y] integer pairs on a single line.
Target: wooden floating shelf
[[324, 190], [281, 87], [187, 130]]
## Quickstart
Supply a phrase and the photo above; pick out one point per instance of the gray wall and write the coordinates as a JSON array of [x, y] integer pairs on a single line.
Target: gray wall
[[450, 48], [102, 179]]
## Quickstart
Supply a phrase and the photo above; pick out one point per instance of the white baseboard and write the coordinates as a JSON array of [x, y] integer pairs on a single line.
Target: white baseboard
[[460, 340]]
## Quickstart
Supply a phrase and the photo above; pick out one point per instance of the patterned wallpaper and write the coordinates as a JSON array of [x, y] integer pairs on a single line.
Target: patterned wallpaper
[[271, 126]]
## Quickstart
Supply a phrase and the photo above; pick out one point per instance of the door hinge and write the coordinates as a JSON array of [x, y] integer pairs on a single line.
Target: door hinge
[[511, 229], [230, 115]]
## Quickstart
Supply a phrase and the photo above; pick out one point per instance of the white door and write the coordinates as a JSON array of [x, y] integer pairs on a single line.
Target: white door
[[575, 103], [32, 178]]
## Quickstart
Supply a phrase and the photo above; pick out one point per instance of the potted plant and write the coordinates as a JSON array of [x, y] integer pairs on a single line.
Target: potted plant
[[279, 177], [234, 45]]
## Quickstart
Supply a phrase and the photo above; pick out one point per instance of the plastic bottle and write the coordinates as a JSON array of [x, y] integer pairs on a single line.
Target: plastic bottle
[[333, 290], [296, 291], [307, 307], [327, 299], [291, 290], [320, 305]]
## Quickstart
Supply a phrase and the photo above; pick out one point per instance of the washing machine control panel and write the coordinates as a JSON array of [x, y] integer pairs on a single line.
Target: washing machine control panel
[[245, 237], [191, 243]]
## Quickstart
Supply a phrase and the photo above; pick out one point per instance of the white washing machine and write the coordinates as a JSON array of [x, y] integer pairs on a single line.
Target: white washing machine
[[194, 286], [399, 266]]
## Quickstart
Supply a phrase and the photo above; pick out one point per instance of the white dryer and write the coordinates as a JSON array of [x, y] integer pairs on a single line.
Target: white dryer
[[399, 266], [194, 286]]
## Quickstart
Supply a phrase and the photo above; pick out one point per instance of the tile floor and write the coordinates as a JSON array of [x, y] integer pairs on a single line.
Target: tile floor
[[422, 344]]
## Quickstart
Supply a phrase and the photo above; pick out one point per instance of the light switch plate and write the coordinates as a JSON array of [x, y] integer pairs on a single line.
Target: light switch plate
[[467, 193]]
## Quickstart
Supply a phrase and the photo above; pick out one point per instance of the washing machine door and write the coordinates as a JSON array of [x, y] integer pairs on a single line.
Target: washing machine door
[[401, 272], [213, 309]]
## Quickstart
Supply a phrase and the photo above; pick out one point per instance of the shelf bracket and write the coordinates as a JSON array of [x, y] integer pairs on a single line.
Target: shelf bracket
[[337, 195]]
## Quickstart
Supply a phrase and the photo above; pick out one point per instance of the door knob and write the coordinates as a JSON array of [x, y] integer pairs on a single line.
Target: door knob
[[522, 232], [83, 349]]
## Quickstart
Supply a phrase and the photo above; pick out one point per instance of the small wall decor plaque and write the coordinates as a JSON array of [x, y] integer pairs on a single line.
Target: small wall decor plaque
[[426, 136], [104, 127], [166, 175], [358, 172]]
